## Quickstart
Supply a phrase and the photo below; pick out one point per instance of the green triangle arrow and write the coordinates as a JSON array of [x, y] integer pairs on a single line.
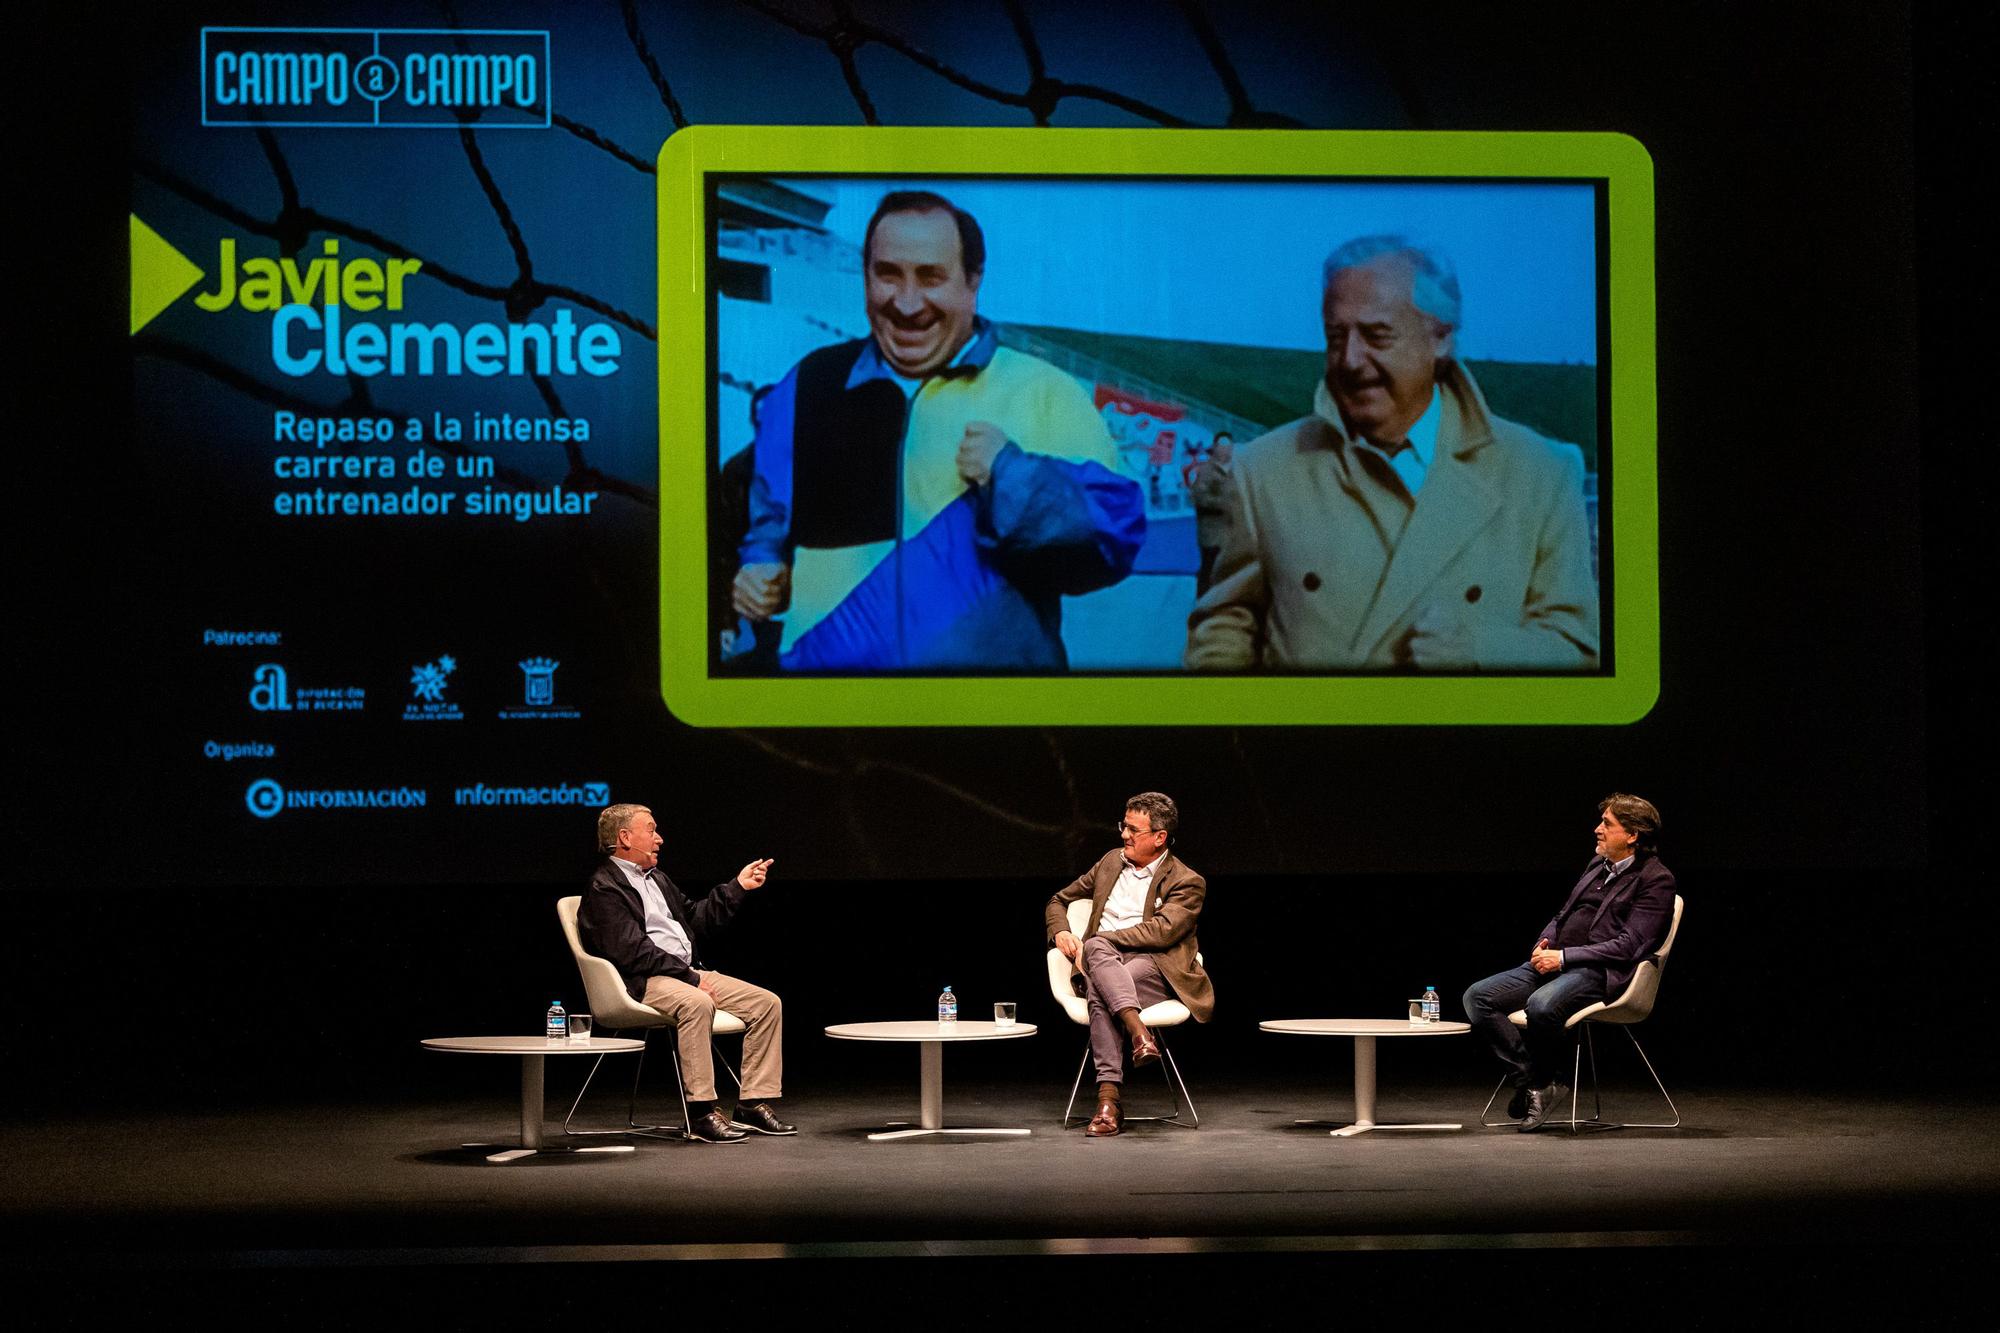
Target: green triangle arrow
[[160, 274]]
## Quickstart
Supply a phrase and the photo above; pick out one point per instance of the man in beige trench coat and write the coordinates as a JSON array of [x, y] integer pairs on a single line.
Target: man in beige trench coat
[[1402, 525]]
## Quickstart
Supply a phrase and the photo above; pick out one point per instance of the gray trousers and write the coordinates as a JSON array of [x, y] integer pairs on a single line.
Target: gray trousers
[[1114, 979]]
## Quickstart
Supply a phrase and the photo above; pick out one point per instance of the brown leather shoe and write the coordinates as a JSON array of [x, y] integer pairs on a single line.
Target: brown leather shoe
[[1110, 1118], [1145, 1050]]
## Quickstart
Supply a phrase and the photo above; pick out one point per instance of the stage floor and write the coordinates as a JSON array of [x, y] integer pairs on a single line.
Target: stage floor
[[391, 1183]]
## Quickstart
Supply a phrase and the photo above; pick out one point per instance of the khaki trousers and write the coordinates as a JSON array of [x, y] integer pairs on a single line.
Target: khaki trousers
[[692, 1012]]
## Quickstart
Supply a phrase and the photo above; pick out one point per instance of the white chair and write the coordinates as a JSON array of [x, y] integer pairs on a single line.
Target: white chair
[[1165, 1014], [614, 1010], [1629, 1008]]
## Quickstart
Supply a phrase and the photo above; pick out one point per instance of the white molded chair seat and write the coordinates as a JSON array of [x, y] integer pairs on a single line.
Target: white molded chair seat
[[1168, 1013], [613, 1009], [1633, 1005]]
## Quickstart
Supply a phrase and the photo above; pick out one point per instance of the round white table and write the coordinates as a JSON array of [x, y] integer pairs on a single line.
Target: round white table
[[930, 1037], [532, 1051], [1364, 1031]]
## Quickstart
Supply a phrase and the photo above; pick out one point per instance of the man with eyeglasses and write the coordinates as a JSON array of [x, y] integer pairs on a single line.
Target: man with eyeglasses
[[1139, 946], [636, 917]]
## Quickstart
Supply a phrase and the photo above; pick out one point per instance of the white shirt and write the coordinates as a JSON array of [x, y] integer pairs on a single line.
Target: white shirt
[[1413, 464], [661, 928], [1126, 905]]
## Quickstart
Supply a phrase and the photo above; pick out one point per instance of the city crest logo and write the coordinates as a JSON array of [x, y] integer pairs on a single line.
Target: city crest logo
[[538, 694]]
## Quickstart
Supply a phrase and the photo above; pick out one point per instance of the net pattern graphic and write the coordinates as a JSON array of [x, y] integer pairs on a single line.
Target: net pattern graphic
[[844, 31]]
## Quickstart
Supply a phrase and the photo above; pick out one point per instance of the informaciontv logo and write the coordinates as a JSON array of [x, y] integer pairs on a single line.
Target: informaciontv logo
[[410, 78]]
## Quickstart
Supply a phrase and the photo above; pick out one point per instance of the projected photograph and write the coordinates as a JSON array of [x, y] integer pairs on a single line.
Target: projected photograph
[[1042, 426], [1204, 428]]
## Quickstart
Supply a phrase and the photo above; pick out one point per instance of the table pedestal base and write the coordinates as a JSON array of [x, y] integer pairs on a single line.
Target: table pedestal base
[[930, 1102], [531, 1121], [888, 1135], [1364, 1098], [516, 1154], [1348, 1131]]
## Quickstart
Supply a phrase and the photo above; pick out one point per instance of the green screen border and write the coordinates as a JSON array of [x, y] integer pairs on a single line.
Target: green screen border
[[1623, 696]]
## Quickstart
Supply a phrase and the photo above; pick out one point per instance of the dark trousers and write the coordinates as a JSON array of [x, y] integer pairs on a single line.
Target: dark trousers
[[1546, 1052]]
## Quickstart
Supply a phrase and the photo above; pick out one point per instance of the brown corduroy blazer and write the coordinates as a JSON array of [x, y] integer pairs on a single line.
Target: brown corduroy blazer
[[1167, 930]]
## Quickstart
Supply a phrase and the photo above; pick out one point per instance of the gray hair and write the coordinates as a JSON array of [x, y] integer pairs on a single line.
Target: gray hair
[[1433, 282], [1159, 809], [611, 821]]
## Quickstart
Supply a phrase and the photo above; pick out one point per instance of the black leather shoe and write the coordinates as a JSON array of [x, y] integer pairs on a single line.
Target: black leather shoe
[[1517, 1105], [712, 1128], [761, 1119], [1543, 1103]]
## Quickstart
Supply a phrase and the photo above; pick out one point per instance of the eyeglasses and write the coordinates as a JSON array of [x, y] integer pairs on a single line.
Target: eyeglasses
[[1137, 832]]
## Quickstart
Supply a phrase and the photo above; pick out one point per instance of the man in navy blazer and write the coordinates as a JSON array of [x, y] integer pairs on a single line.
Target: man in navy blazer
[[639, 920], [1615, 917]]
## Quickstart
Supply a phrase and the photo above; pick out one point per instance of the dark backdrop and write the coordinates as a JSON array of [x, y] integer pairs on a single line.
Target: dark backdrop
[[1789, 481], [1816, 750]]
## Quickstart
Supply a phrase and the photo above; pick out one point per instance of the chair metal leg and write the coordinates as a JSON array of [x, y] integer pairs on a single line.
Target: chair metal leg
[[1076, 1087], [632, 1125], [594, 1064], [724, 1066], [1493, 1097], [1576, 1076], [1167, 1065], [1597, 1120], [1596, 1088], [1675, 1123], [1176, 1089]]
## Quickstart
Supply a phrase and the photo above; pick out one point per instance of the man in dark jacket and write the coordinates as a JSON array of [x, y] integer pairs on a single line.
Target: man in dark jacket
[[635, 917], [1615, 917]]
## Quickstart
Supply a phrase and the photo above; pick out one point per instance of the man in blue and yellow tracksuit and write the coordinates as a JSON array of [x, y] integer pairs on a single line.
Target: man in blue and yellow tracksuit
[[924, 498]]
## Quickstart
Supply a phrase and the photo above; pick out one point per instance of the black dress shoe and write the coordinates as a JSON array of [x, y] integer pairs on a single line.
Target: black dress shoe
[[761, 1119], [1542, 1103], [1517, 1105], [712, 1128]]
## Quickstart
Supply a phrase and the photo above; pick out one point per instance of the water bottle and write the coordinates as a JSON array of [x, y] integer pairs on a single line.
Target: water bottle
[[558, 1022], [1433, 1007], [947, 1006]]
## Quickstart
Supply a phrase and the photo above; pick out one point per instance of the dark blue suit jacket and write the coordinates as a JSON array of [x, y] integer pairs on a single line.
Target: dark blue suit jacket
[[1629, 925]]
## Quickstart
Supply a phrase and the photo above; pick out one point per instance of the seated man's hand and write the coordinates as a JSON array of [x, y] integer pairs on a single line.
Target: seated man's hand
[[1439, 640], [1066, 942], [1546, 961], [706, 986], [760, 591], [982, 444], [752, 875]]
